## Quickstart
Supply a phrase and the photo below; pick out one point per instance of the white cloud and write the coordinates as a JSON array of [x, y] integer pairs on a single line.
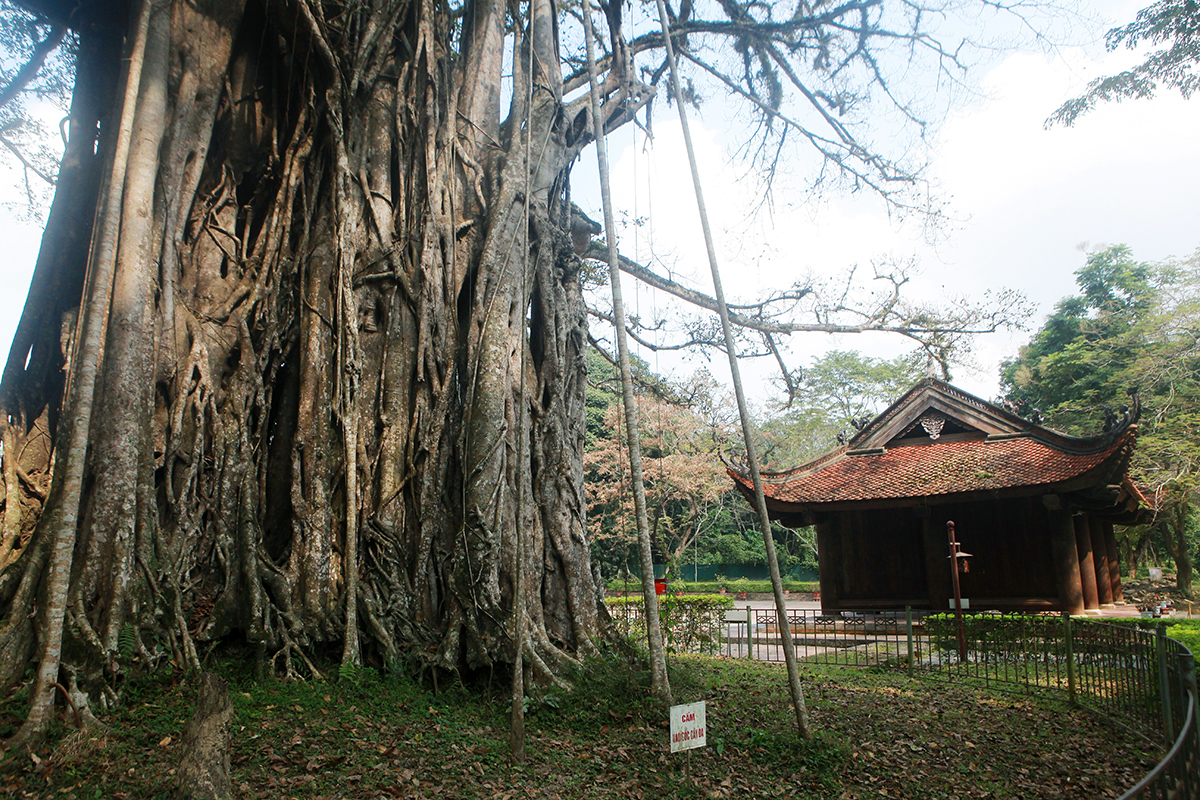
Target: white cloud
[[1025, 197]]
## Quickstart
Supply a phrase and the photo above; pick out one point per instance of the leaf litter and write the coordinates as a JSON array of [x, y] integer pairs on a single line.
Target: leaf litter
[[879, 735]]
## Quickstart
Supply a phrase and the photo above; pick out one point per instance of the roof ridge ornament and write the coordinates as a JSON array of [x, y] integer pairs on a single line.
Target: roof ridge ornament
[[933, 422]]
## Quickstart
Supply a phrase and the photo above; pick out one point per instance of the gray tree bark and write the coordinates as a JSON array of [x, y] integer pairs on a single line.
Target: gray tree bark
[[329, 289], [204, 770]]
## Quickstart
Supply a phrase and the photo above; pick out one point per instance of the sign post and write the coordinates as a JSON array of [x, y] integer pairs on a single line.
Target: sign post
[[687, 726]]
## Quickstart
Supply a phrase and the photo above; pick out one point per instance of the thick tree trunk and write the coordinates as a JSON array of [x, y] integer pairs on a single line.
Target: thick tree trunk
[[331, 258], [1175, 536], [204, 746]]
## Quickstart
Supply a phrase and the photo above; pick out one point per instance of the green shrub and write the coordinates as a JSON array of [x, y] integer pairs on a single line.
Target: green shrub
[[733, 586], [992, 633], [691, 623], [1187, 632]]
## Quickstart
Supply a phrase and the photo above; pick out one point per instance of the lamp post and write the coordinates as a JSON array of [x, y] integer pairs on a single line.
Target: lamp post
[[959, 561]]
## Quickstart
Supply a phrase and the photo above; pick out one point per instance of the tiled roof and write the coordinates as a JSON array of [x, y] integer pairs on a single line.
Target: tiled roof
[[944, 467]]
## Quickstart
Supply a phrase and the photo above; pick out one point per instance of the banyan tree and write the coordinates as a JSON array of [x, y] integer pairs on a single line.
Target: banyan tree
[[304, 349]]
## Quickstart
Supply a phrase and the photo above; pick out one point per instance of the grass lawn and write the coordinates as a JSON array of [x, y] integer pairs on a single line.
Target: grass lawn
[[879, 735]]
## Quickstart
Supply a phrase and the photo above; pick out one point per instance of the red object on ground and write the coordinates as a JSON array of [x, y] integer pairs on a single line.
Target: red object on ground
[[660, 585]]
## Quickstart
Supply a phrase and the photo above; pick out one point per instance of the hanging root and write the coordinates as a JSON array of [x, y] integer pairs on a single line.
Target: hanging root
[[285, 653], [541, 670], [561, 658], [74, 708], [190, 657]]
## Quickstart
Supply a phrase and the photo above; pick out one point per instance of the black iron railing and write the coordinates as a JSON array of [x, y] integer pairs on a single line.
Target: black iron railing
[[1134, 676]]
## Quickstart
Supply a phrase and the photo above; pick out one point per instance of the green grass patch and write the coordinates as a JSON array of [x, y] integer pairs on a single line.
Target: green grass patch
[[1185, 631], [371, 735]]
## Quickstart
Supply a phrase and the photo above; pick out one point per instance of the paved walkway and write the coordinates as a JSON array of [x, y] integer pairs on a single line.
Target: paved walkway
[[1183, 610], [1116, 611]]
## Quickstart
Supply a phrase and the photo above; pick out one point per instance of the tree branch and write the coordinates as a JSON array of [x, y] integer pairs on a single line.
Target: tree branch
[[28, 72], [29, 165]]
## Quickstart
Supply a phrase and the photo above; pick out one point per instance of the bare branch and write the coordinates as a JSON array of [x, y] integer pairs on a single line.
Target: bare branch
[[888, 315], [26, 162], [30, 70]]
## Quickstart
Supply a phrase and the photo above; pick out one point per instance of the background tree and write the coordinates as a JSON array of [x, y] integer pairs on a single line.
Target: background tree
[[268, 378], [36, 70], [1133, 326], [833, 396], [686, 486], [695, 512], [1175, 24]]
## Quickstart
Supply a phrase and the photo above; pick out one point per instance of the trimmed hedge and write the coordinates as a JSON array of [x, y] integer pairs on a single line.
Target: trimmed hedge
[[732, 587], [995, 633], [691, 623], [1186, 632], [988, 633]]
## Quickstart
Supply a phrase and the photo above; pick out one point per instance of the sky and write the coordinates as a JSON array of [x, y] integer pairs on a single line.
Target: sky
[[1026, 204]]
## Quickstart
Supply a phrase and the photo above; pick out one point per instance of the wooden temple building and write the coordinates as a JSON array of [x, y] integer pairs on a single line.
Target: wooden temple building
[[1034, 508]]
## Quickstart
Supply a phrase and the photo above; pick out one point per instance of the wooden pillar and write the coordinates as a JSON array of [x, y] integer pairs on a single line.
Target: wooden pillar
[[829, 566], [1114, 566], [1100, 561], [1065, 555], [1087, 564], [937, 562]]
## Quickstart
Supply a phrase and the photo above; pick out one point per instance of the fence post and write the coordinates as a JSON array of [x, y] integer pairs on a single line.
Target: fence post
[[1164, 686], [1187, 673], [908, 630], [1068, 639], [749, 633], [1187, 685]]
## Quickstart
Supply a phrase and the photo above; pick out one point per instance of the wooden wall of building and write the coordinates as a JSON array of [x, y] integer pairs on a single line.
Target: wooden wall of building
[[1025, 556]]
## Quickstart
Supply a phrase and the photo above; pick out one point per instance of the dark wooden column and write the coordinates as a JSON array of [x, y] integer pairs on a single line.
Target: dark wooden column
[[1100, 561], [1066, 557], [937, 562], [1114, 565], [829, 564], [1087, 564]]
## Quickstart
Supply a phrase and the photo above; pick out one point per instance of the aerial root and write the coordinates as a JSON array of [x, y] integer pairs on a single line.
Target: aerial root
[[562, 659], [71, 702], [540, 668], [290, 647]]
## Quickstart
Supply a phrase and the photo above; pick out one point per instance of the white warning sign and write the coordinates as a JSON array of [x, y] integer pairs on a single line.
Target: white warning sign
[[687, 726]]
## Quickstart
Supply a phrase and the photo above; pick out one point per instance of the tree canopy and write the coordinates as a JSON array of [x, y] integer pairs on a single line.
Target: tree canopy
[[836, 394], [1171, 25], [36, 68], [1133, 327]]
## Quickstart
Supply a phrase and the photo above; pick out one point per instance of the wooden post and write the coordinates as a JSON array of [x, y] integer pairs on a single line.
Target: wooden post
[[936, 576], [1066, 557], [1100, 561], [829, 568], [1087, 564], [1114, 566], [908, 628], [958, 608]]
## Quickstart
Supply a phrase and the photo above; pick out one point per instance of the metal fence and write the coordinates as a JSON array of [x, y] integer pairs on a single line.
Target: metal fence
[[1136, 677]]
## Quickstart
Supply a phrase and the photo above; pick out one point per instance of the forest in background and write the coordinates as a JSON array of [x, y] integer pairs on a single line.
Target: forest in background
[[1132, 327]]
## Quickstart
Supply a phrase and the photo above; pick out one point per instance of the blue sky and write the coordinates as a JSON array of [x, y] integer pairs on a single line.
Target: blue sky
[[1026, 203]]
